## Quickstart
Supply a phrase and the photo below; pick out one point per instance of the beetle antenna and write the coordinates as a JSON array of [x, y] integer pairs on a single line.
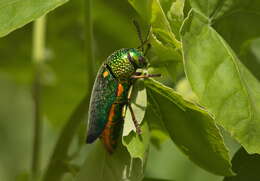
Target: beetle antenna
[[146, 41], [148, 33], [137, 26]]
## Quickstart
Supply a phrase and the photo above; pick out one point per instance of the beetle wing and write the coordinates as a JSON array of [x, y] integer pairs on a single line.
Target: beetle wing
[[102, 97]]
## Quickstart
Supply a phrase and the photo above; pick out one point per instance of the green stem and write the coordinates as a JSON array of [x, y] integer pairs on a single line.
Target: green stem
[[37, 58], [39, 28], [57, 167]]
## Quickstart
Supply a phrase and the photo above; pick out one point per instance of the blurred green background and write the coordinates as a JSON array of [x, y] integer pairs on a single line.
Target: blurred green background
[[64, 85]]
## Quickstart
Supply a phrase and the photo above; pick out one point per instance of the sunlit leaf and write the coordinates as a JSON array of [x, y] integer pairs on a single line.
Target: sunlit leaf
[[239, 22], [191, 129], [240, 28], [250, 56], [236, 21], [183, 87], [137, 145], [162, 53], [161, 26], [223, 85], [176, 16], [163, 40], [16, 13]]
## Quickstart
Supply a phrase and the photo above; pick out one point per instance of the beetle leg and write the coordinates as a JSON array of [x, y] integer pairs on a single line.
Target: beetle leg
[[137, 126], [128, 104], [145, 76]]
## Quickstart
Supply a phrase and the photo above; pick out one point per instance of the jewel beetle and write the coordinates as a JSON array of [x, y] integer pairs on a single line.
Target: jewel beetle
[[111, 93]]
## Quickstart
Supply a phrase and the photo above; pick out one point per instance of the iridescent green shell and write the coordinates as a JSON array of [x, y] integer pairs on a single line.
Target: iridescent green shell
[[120, 65]]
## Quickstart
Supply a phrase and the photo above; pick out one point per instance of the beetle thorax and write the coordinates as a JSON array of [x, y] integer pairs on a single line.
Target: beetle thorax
[[120, 66]]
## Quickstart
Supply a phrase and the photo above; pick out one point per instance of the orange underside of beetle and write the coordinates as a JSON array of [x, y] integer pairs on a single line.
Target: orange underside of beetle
[[107, 133]]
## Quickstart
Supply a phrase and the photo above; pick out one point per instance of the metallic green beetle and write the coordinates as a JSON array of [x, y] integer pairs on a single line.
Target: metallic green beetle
[[110, 95]]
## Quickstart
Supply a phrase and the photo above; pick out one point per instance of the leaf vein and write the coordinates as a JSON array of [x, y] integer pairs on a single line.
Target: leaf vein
[[242, 81]]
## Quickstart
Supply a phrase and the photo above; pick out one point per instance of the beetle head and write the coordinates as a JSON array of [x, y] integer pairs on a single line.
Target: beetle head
[[137, 58]]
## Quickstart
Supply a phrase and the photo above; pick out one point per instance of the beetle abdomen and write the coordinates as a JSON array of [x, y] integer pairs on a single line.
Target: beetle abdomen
[[115, 118], [113, 127]]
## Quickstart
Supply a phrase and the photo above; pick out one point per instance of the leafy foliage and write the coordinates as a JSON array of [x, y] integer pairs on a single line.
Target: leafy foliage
[[191, 128], [237, 99], [16, 13]]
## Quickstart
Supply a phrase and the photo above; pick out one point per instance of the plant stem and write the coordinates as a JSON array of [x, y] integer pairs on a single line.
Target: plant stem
[[39, 28], [37, 58], [56, 167]]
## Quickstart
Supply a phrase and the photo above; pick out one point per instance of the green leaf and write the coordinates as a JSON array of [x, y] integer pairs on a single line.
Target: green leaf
[[239, 23], [223, 85], [16, 13], [157, 129], [239, 27], [183, 87], [64, 85], [191, 129], [215, 9], [143, 8], [100, 166], [161, 26], [137, 145], [165, 47], [246, 166], [163, 40], [251, 57], [163, 53], [176, 16], [206, 7]]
